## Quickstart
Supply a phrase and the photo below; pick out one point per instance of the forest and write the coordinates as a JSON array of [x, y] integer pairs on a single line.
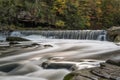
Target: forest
[[59, 14]]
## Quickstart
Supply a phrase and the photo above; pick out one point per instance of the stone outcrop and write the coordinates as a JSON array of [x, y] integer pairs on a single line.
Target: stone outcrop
[[107, 71], [114, 34]]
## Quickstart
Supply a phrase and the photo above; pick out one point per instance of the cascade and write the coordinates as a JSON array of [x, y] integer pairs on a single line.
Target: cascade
[[61, 34], [3, 35], [70, 34]]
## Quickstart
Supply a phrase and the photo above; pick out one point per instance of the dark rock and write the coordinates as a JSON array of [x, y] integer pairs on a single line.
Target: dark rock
[[16, 39], [114, 61], [8, 67], [47, 45], [24, 69], [35, 44], [52, 65], [106, 71]]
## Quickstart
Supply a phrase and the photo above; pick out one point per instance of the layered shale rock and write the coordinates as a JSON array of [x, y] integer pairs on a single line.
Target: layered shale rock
[[107, 71]]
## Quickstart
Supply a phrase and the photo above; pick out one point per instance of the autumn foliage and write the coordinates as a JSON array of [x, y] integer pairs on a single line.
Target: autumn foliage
[[61, 14]]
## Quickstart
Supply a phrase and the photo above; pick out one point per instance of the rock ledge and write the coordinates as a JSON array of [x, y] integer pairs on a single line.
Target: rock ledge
[[107, 71]]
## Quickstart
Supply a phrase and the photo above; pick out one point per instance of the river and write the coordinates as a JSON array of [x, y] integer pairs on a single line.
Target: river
[[85, 49]]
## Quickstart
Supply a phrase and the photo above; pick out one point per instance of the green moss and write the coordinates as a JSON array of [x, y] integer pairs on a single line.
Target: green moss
[[69, 76], [16, 39]]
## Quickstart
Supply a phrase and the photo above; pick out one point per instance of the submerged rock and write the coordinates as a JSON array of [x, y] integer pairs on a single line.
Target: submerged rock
[[8, 67], [24, 69]]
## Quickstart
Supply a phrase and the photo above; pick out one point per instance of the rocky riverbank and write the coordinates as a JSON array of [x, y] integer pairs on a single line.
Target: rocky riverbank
[[114, 34], [110, 70]]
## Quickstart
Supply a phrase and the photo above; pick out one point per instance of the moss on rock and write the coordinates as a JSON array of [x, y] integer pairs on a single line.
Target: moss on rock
[[69, 76], [16, 39]]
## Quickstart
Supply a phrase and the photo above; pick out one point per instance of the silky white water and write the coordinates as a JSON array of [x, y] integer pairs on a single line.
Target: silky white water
[[92, 52]]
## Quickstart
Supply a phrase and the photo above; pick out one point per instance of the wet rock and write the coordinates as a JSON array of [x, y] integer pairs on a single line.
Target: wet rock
[[35, 44], [84, 74], [106, 71], [24, 69], [47, 45], [8, 67], [114, 34], [114, 61], [52, 65], [16, 39]]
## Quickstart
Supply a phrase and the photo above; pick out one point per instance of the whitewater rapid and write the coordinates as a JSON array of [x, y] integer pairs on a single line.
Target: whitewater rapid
[[68, 49], [65, 49]]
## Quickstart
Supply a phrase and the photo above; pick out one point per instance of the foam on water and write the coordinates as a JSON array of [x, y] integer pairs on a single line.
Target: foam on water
[[50, 74], [2, 38], [16, 34], [24, 69], [20, 78]]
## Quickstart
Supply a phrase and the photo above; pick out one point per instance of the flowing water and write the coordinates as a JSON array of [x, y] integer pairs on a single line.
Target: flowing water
[[85, 49]]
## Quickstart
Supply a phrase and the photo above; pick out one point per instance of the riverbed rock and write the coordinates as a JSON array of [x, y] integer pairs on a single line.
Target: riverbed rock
[[55, 65], [114, 34], [114, 61], [106, 71], [11, 39], [8, 67]]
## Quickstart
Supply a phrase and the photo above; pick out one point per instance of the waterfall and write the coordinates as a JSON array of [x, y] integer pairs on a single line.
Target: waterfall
[[65, 34], [70, 34], [102, 36], [3, 35], [15, 34]]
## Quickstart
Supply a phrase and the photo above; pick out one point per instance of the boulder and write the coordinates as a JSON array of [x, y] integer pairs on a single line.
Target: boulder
[[114, 34]]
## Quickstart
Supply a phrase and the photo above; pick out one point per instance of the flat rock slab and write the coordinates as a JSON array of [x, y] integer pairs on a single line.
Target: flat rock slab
[[105, 72], [114, 62]]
